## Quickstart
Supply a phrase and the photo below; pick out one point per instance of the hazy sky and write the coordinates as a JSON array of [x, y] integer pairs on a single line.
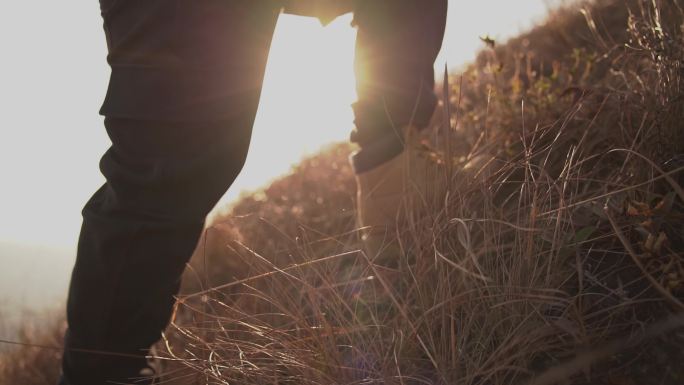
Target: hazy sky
[[53, 76]]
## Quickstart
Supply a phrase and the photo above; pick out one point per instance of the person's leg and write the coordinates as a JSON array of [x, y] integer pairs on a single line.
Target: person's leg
[[397, 44], [186, 77], [138, 232]]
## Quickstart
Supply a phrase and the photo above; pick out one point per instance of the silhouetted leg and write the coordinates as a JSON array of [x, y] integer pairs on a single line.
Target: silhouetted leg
[[397, 44], [186, 78], [138, 232]]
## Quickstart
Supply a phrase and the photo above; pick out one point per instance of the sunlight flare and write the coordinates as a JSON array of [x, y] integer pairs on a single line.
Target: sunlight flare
[[306, 99]]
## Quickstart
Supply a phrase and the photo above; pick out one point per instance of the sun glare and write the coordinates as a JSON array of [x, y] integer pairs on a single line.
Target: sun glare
[[306, 98]]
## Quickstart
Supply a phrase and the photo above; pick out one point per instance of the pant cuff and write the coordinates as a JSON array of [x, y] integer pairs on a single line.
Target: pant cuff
[[377, 152]]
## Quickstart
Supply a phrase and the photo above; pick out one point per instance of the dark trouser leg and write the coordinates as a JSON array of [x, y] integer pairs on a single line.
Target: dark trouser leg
[[138, 232], [397, 44], [185, 84]]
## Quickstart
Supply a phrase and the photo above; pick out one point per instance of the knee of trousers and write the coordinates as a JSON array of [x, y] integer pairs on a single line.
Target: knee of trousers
[[172, 170]]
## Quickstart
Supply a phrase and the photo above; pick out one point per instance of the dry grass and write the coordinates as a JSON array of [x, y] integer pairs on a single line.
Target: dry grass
[[32, 365], [560, 262]]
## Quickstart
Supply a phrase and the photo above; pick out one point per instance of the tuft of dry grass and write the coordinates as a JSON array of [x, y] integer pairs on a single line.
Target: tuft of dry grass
[[33, 365]]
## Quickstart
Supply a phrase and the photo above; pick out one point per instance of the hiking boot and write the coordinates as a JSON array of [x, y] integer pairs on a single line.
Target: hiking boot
[[401, 189]]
